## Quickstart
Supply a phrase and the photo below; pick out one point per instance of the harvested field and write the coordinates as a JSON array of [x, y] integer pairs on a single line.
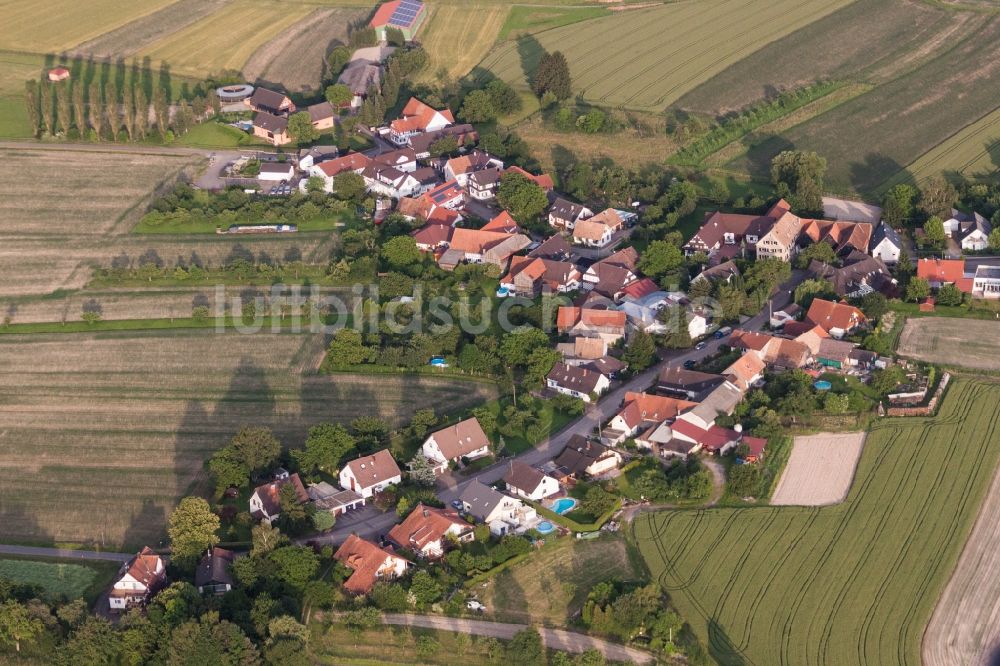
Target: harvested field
[[296, 59], [458, 36], [133, 36], [49, 240], [848, 44], [970, 343], [108, 430], [872, 137], [820, 469], [853, 583], [225, 39], [49, 27], [648, 58], [963, 628]]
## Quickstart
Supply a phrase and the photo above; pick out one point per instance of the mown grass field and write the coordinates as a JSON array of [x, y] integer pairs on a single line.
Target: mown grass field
[[968, 343], [108, 430], [15, 69], [44, 27], [851, 584], [59, 580], [458, 36], [551, 586], [225, 39], [529, 19], [295, 59], [647, 58], [871, 138]]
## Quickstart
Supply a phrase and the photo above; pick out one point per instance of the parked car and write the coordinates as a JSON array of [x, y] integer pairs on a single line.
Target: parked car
[[701, 345], [474, 605], [690, 363], [723, 332], [457, 504]]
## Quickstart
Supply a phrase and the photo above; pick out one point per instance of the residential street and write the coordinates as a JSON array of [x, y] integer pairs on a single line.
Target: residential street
[[556, 639], [370, 523]]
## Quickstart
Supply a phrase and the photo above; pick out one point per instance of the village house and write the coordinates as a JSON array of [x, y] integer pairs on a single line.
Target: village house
[[745, 371], [461, 168], [686, 384], [423, 208], [859, 274], [360, 76], [307, 157], [392, 182], [502, 513], [527, 482], [582, 459], [641, 415], [582, 350], [271, 128], [465, 439], [554, 247], [939, 272], [837, 319], [778, 242], [530, 277], [404, 15], [714, 440], [330, 169], [790, 312], [613, 274], [212, 575], [321, 115], [270, 102], [336, 501], [265, 502], [368, 563], [465, 135], [276, 171], [986, 282], [432, 237], [609, 325], [778, 352], [644, 313], [886, 244], [599, 230], [478, 246], [564, 214], [446, 195], [426, 529], [970, 231], [138, 580], [418, 118], [577, 381], [370, 474], [834, 354], [843, 236], [724, 272]]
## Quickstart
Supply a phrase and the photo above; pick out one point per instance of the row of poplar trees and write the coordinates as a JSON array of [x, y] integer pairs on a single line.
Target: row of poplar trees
[[98, 112]]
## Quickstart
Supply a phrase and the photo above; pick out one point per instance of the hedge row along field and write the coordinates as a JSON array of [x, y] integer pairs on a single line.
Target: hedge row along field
[[647, 58], [106, 431], [849, 584]]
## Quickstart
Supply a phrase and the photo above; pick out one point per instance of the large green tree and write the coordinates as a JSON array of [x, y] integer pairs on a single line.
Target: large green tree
[[897, 204], [660, 258], [338, 95], [300, 127], [17, 625], [326, 445], [478, 107], [521, 197], [347, 348], [552, 76], [192, 529], [798, 177]]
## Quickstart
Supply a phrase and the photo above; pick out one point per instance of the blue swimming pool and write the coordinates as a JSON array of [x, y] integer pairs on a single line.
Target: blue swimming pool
[[545, 527], [563, 504], [823, 385]]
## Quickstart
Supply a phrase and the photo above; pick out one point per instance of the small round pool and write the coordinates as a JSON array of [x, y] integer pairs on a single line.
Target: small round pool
[[545, 527], [563, 504], [823, 385], [503, 292]]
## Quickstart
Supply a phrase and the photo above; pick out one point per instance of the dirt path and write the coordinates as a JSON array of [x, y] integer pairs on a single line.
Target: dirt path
[[555, 639], [718, 480], [964, 627], [63, 553]]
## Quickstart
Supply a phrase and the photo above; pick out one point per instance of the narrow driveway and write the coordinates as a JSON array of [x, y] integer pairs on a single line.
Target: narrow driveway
[[32, 551], [555, 639]]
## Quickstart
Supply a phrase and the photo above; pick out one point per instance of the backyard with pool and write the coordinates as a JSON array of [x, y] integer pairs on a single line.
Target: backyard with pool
[[563, 505]]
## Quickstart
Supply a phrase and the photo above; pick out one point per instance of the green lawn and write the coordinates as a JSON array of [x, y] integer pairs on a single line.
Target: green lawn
[[215, 135], [848, 584], [526, 20], [59, 579]]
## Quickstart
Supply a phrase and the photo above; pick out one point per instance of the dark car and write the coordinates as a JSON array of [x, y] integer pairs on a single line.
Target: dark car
[[688, 364]]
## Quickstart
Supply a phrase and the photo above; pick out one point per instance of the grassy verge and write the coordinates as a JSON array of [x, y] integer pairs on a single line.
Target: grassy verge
[[225, 323]]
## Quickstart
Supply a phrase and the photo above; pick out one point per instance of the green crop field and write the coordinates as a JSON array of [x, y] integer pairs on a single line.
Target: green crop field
[[529, 19], [849, 584], [647, 58], [458, 36], [106, 431]]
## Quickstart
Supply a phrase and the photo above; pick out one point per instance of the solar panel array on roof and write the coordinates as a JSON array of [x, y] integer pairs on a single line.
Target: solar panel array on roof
[[405, 13]]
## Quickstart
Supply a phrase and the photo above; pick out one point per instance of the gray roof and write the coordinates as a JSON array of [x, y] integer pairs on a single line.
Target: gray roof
[[361, 75], [213, 569], [267, 99], [270, 122], [565, 210], [885, 232], [523, 477], [722, 400], [275, 167], [579, 454], [481, 500]]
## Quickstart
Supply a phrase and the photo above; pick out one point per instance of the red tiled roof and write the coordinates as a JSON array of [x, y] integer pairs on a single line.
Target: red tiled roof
[[350, 162], [365, 559], [830, 315], [417, 116], [743, 339], [544, 181], [712, 439], [756, 446], [147, 568], [502, 222], [425, 525], [568, 316], [941, 270], [641, 287]]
